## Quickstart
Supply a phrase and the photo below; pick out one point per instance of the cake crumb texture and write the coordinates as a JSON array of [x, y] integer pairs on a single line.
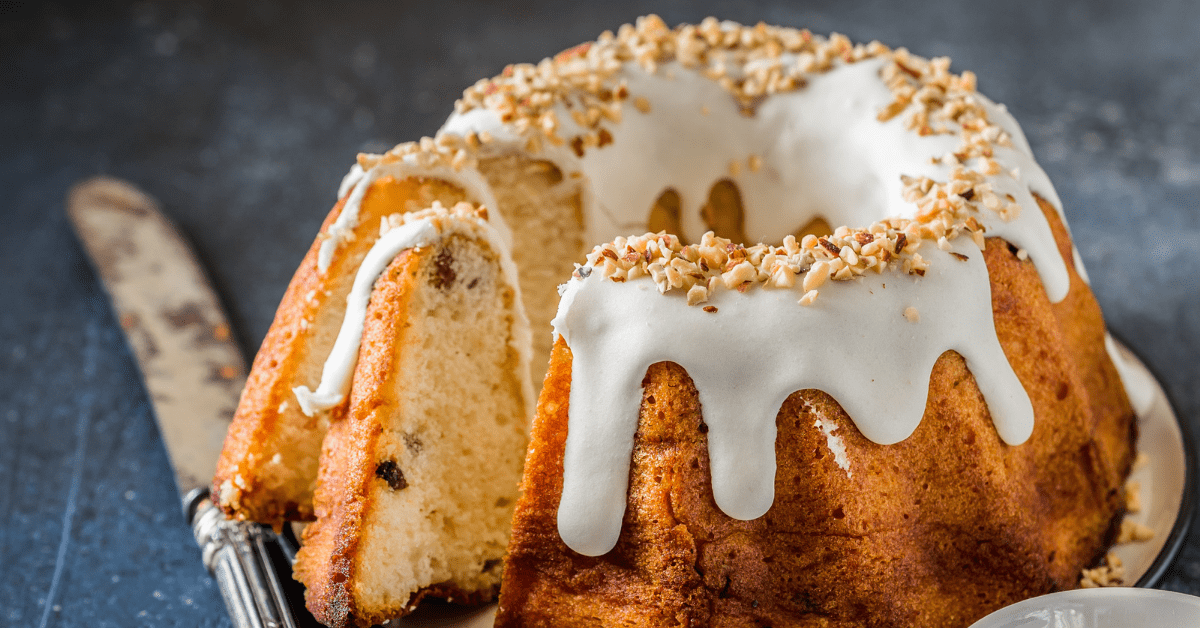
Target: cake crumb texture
[[418, 481]]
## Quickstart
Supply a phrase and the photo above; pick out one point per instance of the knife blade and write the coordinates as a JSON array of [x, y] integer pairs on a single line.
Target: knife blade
[[193, 371]]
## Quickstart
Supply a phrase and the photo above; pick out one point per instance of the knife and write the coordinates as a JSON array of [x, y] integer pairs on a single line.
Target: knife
[[194, 373]]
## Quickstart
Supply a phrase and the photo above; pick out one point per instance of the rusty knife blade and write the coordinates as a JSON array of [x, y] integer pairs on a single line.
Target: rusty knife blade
[[171, 317]]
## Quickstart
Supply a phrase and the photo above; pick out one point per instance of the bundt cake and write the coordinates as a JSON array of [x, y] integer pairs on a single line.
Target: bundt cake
[[417, 482], [910, 419]]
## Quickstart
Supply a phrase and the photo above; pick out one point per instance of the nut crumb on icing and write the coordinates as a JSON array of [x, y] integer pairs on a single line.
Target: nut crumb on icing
[[437, 213], [753, 62], [446, 150], [699, 269], [750, 62]]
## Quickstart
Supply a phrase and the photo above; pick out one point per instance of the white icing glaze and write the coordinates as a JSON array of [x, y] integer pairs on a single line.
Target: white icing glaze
[[339, 366], [350, 180], [823, 150], [749, 356], [357, 182], [338, 370]]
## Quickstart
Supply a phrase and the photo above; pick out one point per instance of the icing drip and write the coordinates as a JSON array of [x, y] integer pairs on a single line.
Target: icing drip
[[339, 366], [338, 370], [834, 345]]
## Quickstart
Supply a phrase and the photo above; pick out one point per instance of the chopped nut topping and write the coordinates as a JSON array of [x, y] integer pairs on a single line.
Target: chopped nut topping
[[447, 152], [751, 62], [585, 86], [698, 269], [816, 276], [912, 314], [437, 214]]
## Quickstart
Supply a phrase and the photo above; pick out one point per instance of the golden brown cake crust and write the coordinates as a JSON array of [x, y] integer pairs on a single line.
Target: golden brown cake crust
[[936, 531], [269, 462]]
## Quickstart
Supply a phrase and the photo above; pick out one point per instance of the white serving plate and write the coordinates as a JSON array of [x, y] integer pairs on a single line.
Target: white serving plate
[[1117, 607], [1167, 484]]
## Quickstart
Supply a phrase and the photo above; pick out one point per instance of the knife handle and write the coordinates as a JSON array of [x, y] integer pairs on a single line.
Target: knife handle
[[235, 553]]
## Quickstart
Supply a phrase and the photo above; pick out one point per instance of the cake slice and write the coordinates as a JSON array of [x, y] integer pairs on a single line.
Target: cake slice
[[417, 482], [269, 462]]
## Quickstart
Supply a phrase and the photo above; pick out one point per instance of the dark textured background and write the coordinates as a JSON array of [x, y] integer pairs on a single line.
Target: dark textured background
[[243, 117]]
